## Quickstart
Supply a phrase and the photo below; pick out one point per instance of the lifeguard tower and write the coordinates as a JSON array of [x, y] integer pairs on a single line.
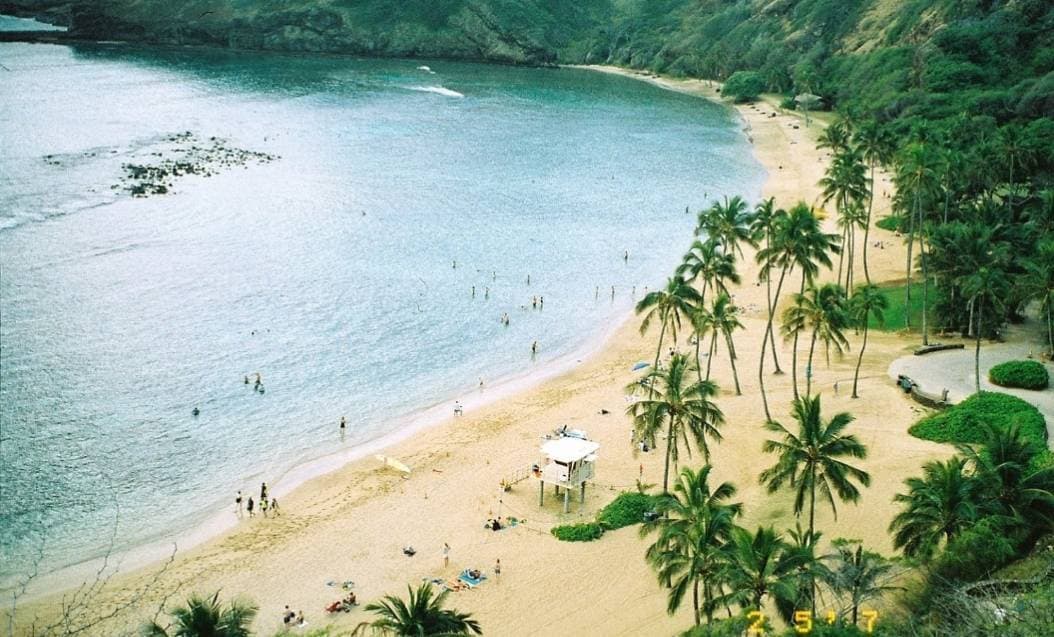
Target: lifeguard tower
[[570, 464]]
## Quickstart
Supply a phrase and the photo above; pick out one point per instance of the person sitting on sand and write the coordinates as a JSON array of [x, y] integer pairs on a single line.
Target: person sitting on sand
[[474, 573], [287, 615], [409, 551], [495, 525]]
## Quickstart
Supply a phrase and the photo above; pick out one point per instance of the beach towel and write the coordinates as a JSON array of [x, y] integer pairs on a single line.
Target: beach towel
[[471, 581]]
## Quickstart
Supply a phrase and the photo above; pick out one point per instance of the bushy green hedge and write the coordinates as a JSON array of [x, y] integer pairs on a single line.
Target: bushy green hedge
[[625, 510], [965, 422], [744, 86], [1022, 374], [978, 551], [586, 532], [890, 223]]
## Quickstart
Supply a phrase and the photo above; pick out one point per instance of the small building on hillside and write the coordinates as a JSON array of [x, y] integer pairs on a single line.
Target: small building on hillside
[[570, 464]]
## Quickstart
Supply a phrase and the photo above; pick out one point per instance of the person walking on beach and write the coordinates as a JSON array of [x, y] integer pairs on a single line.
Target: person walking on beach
[[274, 507], [263, 507], [263, 490], [249, 506], [497, 568], [446, 555], [238, 504]]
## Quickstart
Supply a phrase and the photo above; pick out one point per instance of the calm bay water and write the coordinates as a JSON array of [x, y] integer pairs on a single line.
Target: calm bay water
[[329, 271]]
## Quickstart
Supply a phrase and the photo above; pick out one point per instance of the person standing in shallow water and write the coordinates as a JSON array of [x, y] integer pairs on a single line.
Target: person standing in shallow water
[[343, 423], [238, 504], [263, 490]]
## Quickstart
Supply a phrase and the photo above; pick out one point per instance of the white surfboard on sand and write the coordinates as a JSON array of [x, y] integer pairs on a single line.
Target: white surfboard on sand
[[388, 461]]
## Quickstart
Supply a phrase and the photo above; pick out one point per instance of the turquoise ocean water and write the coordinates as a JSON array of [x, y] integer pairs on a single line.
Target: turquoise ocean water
[[329, 271]]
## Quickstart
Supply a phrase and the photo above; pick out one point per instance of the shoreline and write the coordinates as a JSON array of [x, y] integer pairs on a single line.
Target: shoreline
[[369, 513], [217, 522]]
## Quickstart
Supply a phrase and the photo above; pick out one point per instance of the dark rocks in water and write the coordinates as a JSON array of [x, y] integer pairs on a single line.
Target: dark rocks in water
[[194, 158]]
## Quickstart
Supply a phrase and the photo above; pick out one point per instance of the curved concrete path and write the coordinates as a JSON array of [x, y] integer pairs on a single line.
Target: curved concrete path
[[954, 370]]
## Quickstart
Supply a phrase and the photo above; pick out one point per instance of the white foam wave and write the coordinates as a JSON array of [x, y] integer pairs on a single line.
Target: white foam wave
[[426, 69], [438, 90]]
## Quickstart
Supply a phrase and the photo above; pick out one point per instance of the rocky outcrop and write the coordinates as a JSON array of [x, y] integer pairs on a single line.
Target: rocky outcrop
[[472, 31]]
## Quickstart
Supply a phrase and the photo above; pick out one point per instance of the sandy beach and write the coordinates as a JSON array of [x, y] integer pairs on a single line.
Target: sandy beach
[[351, 523]]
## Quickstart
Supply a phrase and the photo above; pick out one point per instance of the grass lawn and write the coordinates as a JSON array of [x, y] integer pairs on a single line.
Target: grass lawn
[[894, 314]]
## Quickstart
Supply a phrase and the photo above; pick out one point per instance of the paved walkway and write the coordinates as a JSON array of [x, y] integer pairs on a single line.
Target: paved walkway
[[953, 370]]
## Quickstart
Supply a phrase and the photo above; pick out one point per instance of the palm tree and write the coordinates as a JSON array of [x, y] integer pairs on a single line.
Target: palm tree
[[1038, 284], [759, 566], [669, 306], [811, 461], [987, 286], [682, 406], [795, 320], [728, 223], [808, 567], [1008, 483], [422, 615], [866, 303], [205, 617], [763, 224], [937, 507], [798, 242], [709, 262], [857, 576], [694, 527], [836, 137], [845, 182], [915, 175], [724, 318], [876, 145], [825, 309]]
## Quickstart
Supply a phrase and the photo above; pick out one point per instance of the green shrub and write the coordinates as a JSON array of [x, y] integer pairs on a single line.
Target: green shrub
[[965, 422], [721, 627], [625, 510], [978, 551], [586, 532], [891, 223], [1022, 374], [744, 86]]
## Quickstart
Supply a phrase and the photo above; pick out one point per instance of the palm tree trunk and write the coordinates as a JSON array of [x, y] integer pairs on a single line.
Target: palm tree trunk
[[794, 366], [666, 470], [695, 599], [841, 256], [713, 352], [977, 349], [658, 353], [768, 295], [852, 257], [911, 239], [707, 605], [732, 361], [808, 369], [925, 286], [1050, 328], [698, 362], [860, 359], [812, 500], [764, 342], [867, 227]]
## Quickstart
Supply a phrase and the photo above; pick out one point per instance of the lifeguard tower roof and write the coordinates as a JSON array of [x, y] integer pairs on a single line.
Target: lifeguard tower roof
[[569, 450]]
